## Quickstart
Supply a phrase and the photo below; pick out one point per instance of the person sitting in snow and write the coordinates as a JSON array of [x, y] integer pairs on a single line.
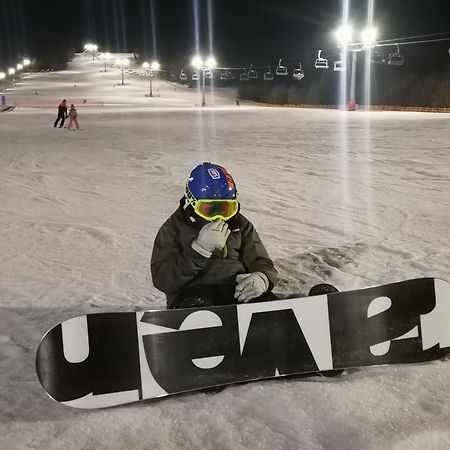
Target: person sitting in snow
[[73, 114], [207, 253]]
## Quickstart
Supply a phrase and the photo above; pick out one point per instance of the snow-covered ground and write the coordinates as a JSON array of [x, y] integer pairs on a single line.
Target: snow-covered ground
[[354, 199]]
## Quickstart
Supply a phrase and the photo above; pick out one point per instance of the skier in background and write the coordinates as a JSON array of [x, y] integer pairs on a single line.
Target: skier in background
[[62, 113], [207, 253], [73, 114]]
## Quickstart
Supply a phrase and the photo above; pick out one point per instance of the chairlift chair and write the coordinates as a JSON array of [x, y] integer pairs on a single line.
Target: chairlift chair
[[227, 75], [281, 70], [252, 73], [339, 66], [395, 59], [321, 63], [195, 76], [299, 73], [183, 76], [243, 76], [377, 57], [268, 76]]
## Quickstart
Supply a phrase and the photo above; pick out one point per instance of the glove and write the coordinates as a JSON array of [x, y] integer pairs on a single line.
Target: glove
[[250, 285], [212, 236]]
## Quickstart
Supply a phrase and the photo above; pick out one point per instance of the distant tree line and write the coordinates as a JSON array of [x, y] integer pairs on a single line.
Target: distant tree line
[[386, 89]]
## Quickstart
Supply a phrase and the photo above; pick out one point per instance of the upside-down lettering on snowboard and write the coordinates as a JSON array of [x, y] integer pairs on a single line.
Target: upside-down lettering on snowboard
[[100, 360]]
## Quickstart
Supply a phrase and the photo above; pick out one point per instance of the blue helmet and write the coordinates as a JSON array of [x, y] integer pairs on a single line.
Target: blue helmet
[[209, 181]]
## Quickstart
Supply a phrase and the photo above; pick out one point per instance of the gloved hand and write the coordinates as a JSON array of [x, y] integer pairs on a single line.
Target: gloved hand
[[212, 236], [250, 285]]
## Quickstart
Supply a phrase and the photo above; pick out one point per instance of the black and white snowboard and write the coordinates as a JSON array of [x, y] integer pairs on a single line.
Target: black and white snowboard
[[107, 359]]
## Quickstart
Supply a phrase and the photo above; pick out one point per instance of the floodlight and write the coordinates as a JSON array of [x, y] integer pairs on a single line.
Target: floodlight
[[2, 75], [26, 62], [11, 71], [344, 34], [145, 65], [211, 62], [369, 35], [19, 66], [197, 62], [155, 65]]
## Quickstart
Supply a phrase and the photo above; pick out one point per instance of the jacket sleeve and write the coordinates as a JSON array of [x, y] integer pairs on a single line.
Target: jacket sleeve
[[254, 255], [173, 265]]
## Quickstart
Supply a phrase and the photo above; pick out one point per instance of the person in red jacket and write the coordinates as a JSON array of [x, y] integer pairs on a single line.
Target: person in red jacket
[[62, 114], [207, 252]]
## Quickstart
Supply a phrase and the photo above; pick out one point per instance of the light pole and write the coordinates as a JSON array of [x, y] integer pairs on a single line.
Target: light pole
[[154, 67], [199, 64], [122, 63], [344, 35], [2, 77], [106, 57], [92, 49]]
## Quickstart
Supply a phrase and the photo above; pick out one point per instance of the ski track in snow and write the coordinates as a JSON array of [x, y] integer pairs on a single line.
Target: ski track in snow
[[79, 212]]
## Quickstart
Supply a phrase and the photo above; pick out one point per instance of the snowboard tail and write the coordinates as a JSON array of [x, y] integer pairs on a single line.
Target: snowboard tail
[[107, 359]]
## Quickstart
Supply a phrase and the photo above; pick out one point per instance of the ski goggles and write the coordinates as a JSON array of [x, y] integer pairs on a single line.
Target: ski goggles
[[216, 209], [213, 209]]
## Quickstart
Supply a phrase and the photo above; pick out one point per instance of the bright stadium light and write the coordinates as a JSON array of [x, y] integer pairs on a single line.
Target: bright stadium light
[[211, 62], [122, 63], [145, 65], [92, 49], [197, 62], [155, 65], [369, 35], [344, 34], [106, 57], [11, 71], [204, 66], [19, 66], [26, 61], [2, 75]]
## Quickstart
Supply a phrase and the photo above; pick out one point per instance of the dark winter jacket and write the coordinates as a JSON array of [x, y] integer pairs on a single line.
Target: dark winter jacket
[[176, 266], [62, 110]]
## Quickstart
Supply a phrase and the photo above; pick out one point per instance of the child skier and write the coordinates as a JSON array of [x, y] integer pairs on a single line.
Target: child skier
[[207, 252], [73, 117]]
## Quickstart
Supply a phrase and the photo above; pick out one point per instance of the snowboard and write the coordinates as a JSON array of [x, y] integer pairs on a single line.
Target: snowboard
[[107, 359]]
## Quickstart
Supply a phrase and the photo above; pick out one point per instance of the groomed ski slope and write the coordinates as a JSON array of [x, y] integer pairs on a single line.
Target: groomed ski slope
[[353, 199]]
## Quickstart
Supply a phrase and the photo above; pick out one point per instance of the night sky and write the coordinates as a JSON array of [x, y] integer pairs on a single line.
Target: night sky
[[243, 31]]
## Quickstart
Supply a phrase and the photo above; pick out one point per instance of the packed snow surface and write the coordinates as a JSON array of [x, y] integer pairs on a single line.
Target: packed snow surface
[[352, 199]]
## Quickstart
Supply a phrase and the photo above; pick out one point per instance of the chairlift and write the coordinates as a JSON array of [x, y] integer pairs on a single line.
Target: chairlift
[[339, 66], [195, 76], [227, 75], [183, 76], [299, 73], [281, 70], [377, 57], [395, 59], [268, 76], [243, 76], [252, 73], [321, 63]]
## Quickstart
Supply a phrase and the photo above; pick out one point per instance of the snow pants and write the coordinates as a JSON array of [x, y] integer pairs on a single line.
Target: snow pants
[[213, 295], [61, 117], [71, 121]]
